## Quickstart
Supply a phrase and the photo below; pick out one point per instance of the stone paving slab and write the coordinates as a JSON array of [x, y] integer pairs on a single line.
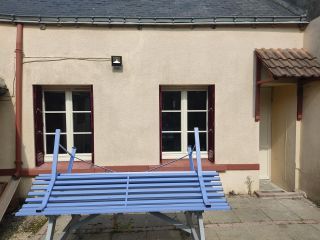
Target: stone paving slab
[[250, 218], [302, 231], [251, 215], [278, 215], [302, 208], [229, 232], [316, 226], [221, 217], [269, 232]]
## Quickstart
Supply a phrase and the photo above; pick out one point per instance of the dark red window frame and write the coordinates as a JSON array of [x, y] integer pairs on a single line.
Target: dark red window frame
[[211, 125], [38, 124]]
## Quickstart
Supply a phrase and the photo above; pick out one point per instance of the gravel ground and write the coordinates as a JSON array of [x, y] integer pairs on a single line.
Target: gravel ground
[[16, 228]]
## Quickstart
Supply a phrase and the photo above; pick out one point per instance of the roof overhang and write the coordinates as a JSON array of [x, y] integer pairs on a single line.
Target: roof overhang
[[288, 65], [161, 21], [285, 66]]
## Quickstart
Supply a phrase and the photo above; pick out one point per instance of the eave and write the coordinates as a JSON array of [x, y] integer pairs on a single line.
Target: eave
[[294, 66], [155, 21]]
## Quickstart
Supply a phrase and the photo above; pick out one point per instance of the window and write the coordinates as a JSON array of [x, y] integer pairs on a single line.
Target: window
[[181, 111], [70, 110]]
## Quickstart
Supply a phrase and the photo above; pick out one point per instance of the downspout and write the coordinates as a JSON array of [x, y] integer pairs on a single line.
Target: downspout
[[19, 71]]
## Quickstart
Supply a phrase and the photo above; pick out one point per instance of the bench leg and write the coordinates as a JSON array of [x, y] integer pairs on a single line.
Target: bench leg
[[190, 224], [201, 226], [75, 223], [69, 227], [172, 221], [51, 227]]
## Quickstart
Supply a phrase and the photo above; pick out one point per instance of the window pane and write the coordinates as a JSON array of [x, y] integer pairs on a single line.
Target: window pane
[[171, 142], [82, 142], [54, 101], [50, 143], [81, 101], [171, 100], [197, 119], [55, 121], [81, 122], [203, 140], [171, 121], [197, 100]]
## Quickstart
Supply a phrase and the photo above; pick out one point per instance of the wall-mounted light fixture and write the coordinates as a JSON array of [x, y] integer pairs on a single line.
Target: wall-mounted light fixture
[[116, 61]]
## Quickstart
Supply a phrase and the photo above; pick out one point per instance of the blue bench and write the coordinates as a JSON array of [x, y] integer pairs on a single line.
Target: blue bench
[[157, 193]]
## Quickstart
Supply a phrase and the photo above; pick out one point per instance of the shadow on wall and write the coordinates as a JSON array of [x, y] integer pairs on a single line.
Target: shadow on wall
[[7, 129], [310, 142]]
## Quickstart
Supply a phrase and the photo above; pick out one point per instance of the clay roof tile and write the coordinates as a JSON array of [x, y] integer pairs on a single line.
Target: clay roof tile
[[290, 62]]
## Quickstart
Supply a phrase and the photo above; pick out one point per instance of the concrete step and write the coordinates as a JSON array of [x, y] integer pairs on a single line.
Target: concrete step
[[279, 194]]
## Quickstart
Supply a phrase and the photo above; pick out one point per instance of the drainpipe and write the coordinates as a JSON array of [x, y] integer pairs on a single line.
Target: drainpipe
[[19, 71]]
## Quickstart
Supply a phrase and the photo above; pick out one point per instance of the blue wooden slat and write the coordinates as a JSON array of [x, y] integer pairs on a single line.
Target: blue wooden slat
[[127, 190], [106, 176], [132, 175], [199, 168], [122, 197], [135, 204], [53, 170], [168, 208], [124, 181], [134, 196], [115, 202], [131, 204], [215, 201], [116, 184], [72, 187], [120, 186], [70, 165], [135, 174], [108, 192]]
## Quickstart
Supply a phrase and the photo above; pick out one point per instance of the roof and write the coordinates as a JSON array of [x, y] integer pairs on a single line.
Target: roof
[[284, 63], [118, 10]]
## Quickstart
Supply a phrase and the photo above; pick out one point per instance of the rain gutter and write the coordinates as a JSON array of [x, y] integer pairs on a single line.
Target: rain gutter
[[151, 21]]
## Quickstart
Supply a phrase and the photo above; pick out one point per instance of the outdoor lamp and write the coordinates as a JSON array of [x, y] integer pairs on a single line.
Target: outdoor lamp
[[116, 61]]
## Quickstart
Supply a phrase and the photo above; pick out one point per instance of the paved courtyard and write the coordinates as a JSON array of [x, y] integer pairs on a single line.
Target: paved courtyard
[[250, 218]]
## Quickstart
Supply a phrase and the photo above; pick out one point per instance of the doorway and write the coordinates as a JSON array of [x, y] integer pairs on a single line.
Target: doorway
[[277, 136], [283, 136]]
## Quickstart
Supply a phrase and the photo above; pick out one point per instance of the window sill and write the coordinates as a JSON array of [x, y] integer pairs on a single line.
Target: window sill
[[172, 156], [87, 167], [66, 157], [82, 167]]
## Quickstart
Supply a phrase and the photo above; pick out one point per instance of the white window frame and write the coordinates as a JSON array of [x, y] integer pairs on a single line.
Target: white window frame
[[184, 121], [69, 123]]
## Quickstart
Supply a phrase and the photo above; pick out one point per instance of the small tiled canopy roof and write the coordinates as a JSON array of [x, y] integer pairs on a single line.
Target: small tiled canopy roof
[[284, 63]]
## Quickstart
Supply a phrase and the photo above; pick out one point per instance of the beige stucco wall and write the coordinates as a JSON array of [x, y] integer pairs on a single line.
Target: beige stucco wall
[[283, 149], [237, 181], [310, 142], [126, 103], [7, 116], [310, 127]]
